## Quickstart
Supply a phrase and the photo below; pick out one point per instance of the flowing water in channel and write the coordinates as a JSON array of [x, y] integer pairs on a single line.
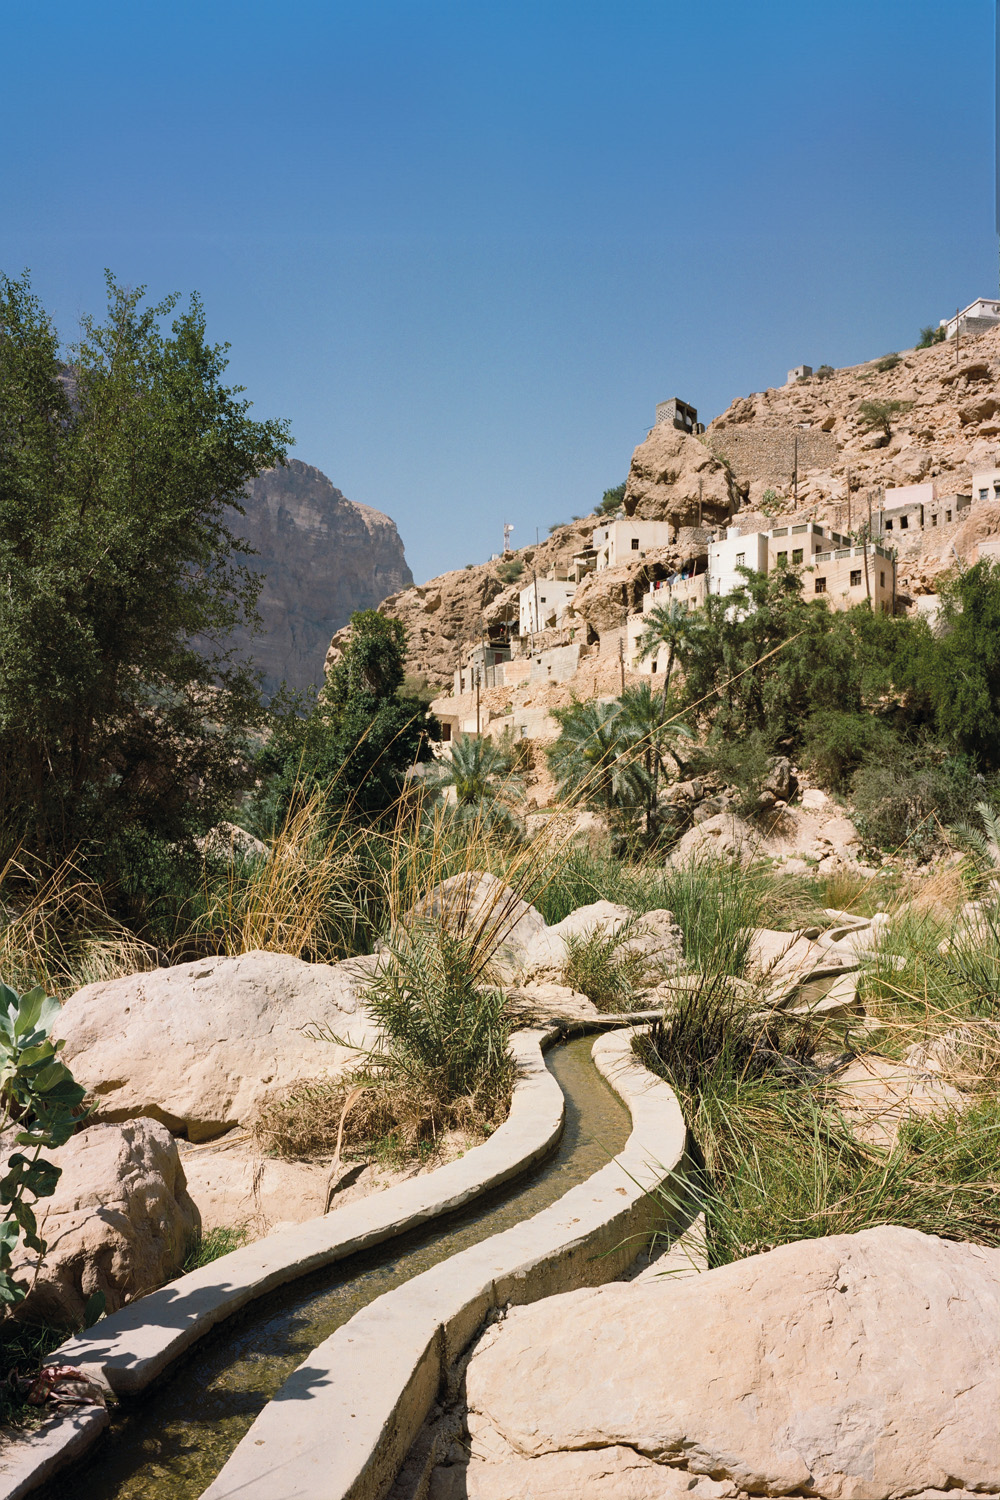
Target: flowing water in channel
[[171, 1444]]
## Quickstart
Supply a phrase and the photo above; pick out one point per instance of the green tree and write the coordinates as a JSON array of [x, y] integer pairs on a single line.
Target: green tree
[[668, 625], [612, 500], [123, 714], [877, 415], [594, 761], [480, 775], [362, 735], [930, 336], [653, 729], [960, 668]]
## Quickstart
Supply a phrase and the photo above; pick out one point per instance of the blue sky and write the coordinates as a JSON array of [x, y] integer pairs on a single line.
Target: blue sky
[[467, 245]]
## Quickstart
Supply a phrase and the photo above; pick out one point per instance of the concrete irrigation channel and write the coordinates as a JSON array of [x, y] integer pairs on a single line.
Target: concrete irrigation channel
[[578, 1216]]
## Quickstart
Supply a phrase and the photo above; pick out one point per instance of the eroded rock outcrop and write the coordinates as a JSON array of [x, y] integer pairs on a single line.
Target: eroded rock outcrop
[[858, 1367], [677, 478]]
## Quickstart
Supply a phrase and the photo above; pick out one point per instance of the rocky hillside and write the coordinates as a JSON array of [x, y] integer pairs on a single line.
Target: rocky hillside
[[673, 477], [321, 556], [947, 424]]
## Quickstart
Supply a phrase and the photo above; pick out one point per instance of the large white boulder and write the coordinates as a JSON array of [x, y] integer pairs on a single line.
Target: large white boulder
[[858, 1367], [655, 934], [478, 906], [120, 1222], [198, 1045]]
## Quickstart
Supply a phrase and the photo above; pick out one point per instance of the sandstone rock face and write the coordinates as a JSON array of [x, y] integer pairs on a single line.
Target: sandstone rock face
[[321, 557], [120, 1222], [858, 1367], [439, 617], [664, 478], [197, 1045]]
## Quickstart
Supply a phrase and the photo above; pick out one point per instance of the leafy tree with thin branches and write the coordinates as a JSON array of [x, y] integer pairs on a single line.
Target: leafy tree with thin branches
[[123, 460]]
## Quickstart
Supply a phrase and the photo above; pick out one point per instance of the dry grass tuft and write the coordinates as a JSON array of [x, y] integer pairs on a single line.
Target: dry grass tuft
[[57, 932]]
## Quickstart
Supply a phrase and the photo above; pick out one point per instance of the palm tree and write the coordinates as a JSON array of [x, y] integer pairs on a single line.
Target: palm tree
[[595, 759], [652, 728], [480, 775], [669, 625]]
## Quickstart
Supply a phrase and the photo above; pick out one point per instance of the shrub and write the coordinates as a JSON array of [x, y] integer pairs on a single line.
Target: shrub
[[930, 336], [836, 743], [41, 1100], [442, 1061], [215, 1243], [612, 500], [904, 803], [509, 570], [824, 372], [879, 414], [601, 965], [887, 362], [744, 764]]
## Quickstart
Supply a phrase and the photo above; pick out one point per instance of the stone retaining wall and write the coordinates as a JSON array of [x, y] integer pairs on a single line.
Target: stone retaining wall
[[768, 453]]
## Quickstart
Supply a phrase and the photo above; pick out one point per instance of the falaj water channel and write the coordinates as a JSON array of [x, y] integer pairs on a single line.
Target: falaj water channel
[[170, 1444]]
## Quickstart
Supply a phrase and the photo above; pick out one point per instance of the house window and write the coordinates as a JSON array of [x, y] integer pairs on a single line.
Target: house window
[[855, 578], [888, 525], [984, 494], [821, 585], [947, 515], [782, 559], [635, 544], [881, 580], [653, 667], [796, 556], [933, 520], [445, 731], [904, 522], [542, 600], [741, 558]]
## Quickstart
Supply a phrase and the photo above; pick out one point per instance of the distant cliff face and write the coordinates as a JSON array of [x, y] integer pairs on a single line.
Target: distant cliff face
[[321, 557]]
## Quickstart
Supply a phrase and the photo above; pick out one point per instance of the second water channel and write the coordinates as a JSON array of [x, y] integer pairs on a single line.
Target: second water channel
[[171, 1443]]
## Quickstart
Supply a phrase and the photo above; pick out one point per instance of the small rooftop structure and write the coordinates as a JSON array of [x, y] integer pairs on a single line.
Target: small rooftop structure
[[677, 413], [801, 372], [979, 316]]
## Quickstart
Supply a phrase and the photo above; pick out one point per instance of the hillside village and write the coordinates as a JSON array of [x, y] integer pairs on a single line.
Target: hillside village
[[794, 476]]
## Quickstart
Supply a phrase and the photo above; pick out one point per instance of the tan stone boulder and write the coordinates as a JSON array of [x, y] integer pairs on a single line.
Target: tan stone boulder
[[878, 1094], [858, 1367], [479, 906], [722, 836], [197, 1045], [656, 935], [539, 1003], [121, 1221]]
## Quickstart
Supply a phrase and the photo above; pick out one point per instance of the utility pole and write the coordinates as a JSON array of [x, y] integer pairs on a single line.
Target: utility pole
[[479, 677], [621, 657], [701, 494], [848, 499], [864, 549], [958, 333]]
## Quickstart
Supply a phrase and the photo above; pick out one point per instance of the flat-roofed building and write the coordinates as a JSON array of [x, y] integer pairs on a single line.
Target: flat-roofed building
[[978, 317], [986, 484], [543, 603], [678, 413], [916, 507], [628, 540]]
